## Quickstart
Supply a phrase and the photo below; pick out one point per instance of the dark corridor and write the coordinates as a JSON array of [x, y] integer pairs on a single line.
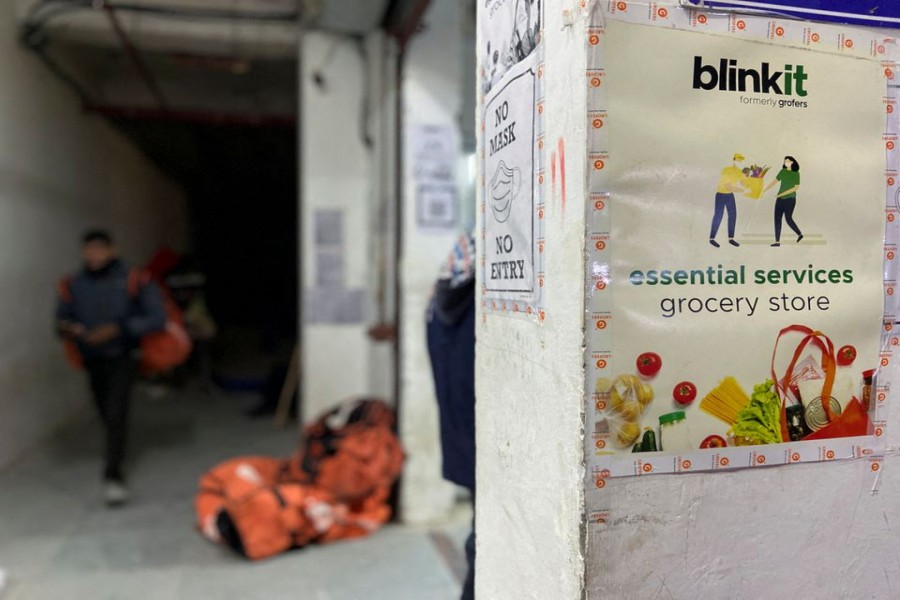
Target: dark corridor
[[241, 183]]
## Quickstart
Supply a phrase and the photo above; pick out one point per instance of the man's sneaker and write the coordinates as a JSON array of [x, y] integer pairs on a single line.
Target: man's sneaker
[[115, 493]]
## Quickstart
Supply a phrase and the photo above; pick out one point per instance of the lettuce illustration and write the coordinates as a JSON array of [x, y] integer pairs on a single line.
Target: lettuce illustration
[[759, 422]]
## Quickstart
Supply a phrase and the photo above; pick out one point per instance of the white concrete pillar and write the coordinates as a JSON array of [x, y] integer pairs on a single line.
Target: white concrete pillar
[[346, 165], [529, 371], [820, 530]]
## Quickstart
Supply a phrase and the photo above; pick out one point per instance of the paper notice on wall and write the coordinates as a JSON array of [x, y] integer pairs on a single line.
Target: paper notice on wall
[[330, 301], [437, 205], [329, 228], [434, 154], [510, 33], [738, 318], [510, 186]]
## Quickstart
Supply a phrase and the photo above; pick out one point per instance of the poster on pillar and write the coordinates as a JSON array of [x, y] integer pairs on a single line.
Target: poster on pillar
[[511, 32], [511, 192], [736, 313]]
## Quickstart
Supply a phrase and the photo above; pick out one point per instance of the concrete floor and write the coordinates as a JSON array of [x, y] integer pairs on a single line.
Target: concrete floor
[[57, 539]]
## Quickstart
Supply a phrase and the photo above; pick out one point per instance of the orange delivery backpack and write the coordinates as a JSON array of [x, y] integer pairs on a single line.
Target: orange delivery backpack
[[161, 351], [264, 506], [275, 519], [352, 451]]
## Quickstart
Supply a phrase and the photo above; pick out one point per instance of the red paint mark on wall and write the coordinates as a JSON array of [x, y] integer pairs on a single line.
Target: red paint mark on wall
[[561, 145]]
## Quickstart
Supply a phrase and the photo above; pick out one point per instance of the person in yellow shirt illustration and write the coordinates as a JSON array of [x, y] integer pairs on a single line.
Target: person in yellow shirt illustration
[[730, 182]]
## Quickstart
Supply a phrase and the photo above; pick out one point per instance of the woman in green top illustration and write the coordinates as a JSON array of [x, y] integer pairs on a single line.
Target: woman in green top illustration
[[786, 200]]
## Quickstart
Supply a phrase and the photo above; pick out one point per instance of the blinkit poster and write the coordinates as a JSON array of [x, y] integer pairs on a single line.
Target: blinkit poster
[[742, 265]]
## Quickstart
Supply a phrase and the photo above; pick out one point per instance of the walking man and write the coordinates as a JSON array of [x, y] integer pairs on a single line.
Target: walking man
[[105, 314]]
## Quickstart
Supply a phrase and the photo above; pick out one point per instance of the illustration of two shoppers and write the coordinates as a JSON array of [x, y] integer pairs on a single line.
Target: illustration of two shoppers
[[733, 180]]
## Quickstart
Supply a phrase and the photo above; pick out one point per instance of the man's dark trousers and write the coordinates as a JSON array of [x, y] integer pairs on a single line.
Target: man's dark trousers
[[111, 382]]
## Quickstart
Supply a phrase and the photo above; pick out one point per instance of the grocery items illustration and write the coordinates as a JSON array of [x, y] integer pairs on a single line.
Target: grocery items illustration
[[627, 397], [754, 179], [785, 404]]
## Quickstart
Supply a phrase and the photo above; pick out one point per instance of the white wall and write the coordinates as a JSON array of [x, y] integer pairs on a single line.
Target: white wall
[[529, 381], [339, 173], [804, 531], [432, 95], [60, 173]]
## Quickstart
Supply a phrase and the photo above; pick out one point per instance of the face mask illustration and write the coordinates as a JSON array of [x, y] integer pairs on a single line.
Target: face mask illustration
[[505, 186]]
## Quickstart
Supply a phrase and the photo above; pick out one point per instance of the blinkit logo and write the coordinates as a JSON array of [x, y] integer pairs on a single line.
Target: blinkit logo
[[728, 76]]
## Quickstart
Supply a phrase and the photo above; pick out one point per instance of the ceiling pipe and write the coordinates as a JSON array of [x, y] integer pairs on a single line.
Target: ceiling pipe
[[34, 39], [136, 59], [48, 9], [43, 12], [405, 29], [206, 13], [191, 116]]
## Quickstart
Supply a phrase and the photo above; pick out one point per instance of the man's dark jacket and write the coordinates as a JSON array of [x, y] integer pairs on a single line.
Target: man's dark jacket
[[102, 297]]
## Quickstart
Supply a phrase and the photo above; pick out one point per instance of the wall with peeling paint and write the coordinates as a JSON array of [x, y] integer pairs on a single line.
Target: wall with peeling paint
[[796, 532], [529, 381]]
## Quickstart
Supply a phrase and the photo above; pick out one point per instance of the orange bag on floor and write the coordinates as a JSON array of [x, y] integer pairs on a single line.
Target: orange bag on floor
[[231, 481], [275, 519], [337, 487], [352, 450]]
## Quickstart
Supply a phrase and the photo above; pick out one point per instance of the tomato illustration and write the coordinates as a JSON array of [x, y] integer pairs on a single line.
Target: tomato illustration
[[684, 393], [713, 441], [846, 355], [649, 364]]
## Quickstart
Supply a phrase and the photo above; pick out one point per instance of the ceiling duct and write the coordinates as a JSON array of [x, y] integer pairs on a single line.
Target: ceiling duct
[[252, 29]]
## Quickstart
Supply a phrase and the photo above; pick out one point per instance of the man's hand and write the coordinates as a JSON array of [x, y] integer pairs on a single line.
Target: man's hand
[[71, 330], [102, 334]]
